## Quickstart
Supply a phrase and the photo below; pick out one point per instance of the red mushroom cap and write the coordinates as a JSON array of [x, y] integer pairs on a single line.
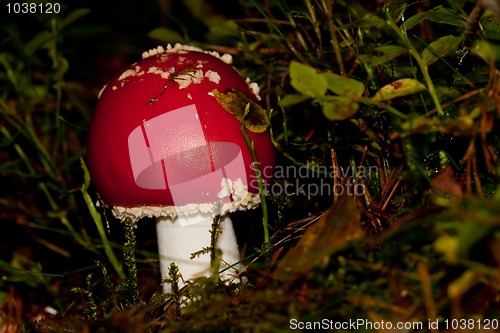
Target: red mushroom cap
[[159, 138]]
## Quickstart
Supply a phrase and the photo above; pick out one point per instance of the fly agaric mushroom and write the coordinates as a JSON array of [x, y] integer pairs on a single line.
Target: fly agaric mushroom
[[161, 145]]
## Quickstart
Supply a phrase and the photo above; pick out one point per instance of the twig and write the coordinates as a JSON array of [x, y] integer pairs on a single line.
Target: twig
[[425, 281]]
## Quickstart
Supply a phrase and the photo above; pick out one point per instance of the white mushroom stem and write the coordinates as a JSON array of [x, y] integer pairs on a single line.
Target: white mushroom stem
[[179, 237]]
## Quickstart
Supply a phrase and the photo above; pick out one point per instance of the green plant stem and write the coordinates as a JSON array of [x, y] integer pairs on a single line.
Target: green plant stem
[[418, 59], [130, 261], [285, 121], [56, 59], [387, 107], [98, 223], [10, 74], [315, 23], [295, 161], [332, 28], [19, 151], [274, 27], [255, 165], [173, 278], [62, 217], [214, 235], [28, 129]]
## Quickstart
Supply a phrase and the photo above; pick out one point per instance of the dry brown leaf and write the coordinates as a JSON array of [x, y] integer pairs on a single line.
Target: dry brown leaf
[[446, 183], [336, 228]]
